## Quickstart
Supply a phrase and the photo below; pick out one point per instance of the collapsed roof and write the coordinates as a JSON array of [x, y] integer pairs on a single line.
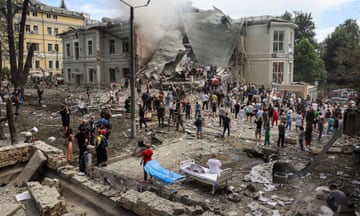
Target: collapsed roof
[[212, 37]]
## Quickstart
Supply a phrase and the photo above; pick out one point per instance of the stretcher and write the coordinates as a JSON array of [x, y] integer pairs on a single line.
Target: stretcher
[[154, 169], [199, 173]]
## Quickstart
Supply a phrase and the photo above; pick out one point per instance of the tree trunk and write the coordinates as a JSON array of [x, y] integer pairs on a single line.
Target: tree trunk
[[2, 134], [11, 123]]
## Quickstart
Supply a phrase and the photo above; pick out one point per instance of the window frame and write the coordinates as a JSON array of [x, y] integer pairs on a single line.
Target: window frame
[[278, 72], [278, 41], [111, 46]]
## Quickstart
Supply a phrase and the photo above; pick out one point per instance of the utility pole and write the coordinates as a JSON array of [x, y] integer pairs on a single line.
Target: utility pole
[[132, 66]]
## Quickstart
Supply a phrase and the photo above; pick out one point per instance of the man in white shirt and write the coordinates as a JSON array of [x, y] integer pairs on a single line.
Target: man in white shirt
[[214, 165]]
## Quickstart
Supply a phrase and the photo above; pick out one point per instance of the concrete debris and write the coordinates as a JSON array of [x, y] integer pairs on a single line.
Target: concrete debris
[[32, 167], [47, 199], [10, 209], [261, 173]]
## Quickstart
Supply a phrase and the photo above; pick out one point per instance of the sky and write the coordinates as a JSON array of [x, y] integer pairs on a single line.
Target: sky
[[327, 14]]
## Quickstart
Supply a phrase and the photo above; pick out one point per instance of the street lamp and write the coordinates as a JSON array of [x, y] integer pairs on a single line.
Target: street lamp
[[132, 64]]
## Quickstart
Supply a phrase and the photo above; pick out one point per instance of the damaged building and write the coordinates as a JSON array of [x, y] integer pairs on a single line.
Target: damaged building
[[255, 49]]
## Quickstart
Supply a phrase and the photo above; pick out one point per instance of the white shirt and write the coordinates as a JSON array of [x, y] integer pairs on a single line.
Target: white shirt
[[214, 166]]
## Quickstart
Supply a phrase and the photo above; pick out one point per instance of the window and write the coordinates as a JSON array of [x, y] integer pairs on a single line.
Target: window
[[290, 73], [125, 45], [56, 47], [112, 75], [34, 13], [36, 46], [36, 29], [50, 64], [112, 46], [68, 74], [77, 50], [126, 72], [55, 17], [57, 65], [50, 47], [90, 47], [48, 15], [91, 75], [27, 29], [37, 64], [68, 53], [278, 72], [56, 31], [49, 30], [17, 27], [278, 41]]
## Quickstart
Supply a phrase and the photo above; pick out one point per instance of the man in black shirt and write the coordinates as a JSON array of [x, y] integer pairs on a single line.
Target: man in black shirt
[[226, 123], [281, 135]]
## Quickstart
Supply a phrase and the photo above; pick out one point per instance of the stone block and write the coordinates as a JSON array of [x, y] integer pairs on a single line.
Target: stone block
[[129, 199], [47, 199], [51, 183], [36, 162]]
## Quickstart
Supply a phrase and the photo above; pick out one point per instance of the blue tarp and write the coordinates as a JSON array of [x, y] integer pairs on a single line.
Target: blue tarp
[[154, 169]]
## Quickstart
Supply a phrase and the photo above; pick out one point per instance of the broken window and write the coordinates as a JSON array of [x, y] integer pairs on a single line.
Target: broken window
[[125, 46], [112, 46], [90, 47], [77, 50], [278, 41], [278, 72], [67, 50], [91, 75], [112, 75]]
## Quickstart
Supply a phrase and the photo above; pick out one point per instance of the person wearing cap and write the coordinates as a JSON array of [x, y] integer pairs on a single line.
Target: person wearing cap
[[214, 164]]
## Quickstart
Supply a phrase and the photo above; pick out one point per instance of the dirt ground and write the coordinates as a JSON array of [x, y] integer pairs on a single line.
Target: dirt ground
[[176, 146]]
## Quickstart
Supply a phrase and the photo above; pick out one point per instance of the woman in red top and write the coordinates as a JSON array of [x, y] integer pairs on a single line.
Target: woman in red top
[[146, 156]]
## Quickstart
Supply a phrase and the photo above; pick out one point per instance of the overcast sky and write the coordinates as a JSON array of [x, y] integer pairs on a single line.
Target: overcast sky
[[327, 14]]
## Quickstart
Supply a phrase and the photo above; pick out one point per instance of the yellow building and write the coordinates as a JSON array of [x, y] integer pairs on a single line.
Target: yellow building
[[43, 24]]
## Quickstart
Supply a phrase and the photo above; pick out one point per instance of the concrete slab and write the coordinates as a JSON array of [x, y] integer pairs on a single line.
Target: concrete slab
[[9, 209], [36, 162]]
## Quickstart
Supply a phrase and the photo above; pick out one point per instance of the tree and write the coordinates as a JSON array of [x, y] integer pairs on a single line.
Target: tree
[[308, 67], [342, 52], [19, 70], [305, 25]]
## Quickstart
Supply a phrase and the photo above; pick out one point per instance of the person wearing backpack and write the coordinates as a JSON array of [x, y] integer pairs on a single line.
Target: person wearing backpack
[[101, 145]]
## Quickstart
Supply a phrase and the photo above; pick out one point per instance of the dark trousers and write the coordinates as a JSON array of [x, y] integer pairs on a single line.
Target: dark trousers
[[142, 121], [226, 127], [205, 104], [281, 140], [161, 121]]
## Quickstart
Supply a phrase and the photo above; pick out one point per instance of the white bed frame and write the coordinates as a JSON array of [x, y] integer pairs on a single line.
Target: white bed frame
[[222, 178]]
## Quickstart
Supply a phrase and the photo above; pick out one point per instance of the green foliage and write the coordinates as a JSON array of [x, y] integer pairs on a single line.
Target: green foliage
[[305, 25], [5, 72], [308, 67], [342, 52]]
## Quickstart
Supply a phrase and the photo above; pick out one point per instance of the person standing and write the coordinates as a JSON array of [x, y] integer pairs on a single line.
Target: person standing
[[65, 117], [298, 121], [301, 135], [82, 141], [40, 91], [226, 123], [267, 132], [214, 164], [101, 153], [221, 114], [161, 114], [187, 110], [197, 109], [258, 123], [308, 134], [142, 116], [281, 138], [179, 121], [199, 127], [146, 157], [320, 126], [205, 101], [236, 109], [69, 145]]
